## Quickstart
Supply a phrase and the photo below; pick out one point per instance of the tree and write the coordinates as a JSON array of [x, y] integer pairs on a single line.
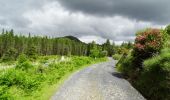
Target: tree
[[103, 53], [36, 45], [94, 52], [9, 55], [168, 29], [31, 52], [108, 47]]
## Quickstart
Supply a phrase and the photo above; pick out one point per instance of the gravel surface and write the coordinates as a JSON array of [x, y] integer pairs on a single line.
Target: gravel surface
[[97, 82]]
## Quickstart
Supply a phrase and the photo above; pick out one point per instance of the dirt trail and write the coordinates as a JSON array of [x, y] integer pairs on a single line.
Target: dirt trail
[[97, 82]]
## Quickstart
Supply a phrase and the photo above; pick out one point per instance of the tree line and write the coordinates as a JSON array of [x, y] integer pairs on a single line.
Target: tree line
[[12, 45]]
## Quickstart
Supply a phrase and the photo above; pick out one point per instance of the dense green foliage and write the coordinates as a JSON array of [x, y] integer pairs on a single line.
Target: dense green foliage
[[109, 48], [96, 51], [28, 80], [155, 77], [35, 68], [147, 66], [9, 55], [122, 50], [11, 46], [117, 56]]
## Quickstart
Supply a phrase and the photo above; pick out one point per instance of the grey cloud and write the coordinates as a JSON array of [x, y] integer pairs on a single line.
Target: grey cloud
[[116, 20], [156, 11], [11, 11], [53, 18]]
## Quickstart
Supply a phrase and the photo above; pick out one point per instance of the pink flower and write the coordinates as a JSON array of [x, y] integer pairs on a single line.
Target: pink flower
[[139, 46], [140, 38]]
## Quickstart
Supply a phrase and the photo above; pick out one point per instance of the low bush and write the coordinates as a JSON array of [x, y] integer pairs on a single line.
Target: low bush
[[155, 77], [126, 67], [11, 77], [4, 93], [23, 63], [20, 79], [122, 50], [24, 66], [30, 81], [116, 56]]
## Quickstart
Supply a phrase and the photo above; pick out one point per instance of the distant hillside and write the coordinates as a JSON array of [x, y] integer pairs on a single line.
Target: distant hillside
[[73, 38], [16, 44]]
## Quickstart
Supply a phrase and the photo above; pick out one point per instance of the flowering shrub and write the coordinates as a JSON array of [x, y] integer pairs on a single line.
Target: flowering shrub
[[147, 43], [148, 65]]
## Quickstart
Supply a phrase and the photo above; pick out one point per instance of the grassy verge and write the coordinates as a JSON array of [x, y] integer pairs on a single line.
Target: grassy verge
[[48, 91], [29, 81]]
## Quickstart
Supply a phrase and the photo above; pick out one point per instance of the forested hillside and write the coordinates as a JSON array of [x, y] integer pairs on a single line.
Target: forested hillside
[[15, 44], [12, 45]]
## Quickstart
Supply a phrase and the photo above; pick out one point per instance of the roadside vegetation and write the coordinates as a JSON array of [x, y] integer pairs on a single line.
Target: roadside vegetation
[[147, 63], [33, 67], [121, 50], [39, 79]]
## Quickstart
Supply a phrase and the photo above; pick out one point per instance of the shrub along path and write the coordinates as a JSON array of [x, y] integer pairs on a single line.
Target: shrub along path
[[97, 82]]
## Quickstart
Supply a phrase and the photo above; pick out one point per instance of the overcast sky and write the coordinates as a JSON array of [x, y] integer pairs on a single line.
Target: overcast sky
[[117, 20]]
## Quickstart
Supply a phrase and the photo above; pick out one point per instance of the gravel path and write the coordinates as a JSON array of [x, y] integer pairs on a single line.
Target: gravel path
[[97, 82]]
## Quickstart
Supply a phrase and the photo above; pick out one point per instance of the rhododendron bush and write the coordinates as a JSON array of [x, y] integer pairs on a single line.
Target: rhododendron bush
[[147, 66], [147, 43]]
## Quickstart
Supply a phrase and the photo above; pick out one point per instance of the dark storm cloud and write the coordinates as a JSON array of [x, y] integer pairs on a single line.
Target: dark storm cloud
[[11, 11], [156, 11], [88, 20]]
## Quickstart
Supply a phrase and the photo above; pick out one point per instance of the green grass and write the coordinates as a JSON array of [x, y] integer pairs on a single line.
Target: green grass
[[40, 82], [48, 91]]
